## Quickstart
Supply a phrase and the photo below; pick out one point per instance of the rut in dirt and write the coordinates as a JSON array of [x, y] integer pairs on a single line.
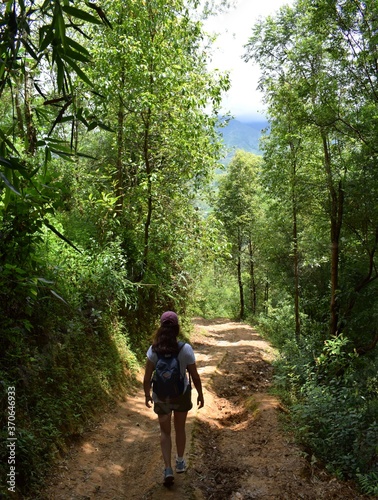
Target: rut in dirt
[[240, 449]]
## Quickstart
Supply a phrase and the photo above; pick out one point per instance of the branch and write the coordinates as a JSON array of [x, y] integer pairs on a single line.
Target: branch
[[365, 349]]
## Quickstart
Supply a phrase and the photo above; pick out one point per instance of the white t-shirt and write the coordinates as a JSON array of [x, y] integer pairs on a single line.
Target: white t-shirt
[[186, 357]]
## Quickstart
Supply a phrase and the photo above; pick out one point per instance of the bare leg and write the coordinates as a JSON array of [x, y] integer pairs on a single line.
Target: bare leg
[[165, 438], [179, 421]]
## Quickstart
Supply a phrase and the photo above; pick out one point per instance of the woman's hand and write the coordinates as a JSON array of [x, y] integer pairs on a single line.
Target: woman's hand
[[149, 401], [192, 369], [200, 401], [147, 383]]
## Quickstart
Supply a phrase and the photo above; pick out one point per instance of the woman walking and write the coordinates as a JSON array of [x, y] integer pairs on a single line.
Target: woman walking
[[171, 393]]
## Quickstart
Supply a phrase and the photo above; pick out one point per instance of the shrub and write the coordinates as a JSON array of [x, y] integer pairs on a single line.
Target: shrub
[[67, 348]]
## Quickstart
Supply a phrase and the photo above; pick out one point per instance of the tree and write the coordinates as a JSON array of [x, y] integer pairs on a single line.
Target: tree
[[237, 208], [308, 52], [159, 88], [110, 159], [32, 38]]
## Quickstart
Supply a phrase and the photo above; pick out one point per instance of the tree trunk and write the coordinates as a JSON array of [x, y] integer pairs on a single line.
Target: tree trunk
[[240, 282], [20, 119], [371, 276], [266, 295], [31, 134], [293, 149], [147, 225], [253, 297], [337, 206], [296, 276], [149, 193], [120, 149], [295, 258]]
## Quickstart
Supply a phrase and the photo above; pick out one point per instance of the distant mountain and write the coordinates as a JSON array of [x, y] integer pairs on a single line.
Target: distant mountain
[[240, 135], [236, 135]]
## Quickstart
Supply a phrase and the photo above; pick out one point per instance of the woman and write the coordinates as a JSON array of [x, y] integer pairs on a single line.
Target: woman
[[166, 344]]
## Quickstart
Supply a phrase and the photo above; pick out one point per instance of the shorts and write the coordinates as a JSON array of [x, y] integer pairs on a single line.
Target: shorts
[[183, 404]]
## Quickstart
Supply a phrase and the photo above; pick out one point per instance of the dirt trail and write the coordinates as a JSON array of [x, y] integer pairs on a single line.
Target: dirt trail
[[236, 447]]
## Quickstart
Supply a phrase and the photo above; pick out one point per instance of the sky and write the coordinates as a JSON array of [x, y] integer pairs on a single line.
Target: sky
[[243, 100]]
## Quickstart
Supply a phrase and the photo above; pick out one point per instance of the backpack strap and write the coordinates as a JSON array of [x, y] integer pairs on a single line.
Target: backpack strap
[[189, 376], [180, 344]]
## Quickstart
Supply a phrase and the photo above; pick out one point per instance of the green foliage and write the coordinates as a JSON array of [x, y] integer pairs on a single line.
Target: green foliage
[[216, 294], [336, 422], [107, 134], [238, 209], [100, 231], [60, 385], [332, 393], [295, 359], [67, 352], [336, 357], [369, 483], [278, 325], [319, 176], [43, 37]]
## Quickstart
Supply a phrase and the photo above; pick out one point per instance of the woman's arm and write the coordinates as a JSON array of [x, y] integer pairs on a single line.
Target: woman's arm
[[192, 369], [149, 369]]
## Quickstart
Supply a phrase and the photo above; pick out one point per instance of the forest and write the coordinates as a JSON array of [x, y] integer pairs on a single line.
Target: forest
[[112, 209]]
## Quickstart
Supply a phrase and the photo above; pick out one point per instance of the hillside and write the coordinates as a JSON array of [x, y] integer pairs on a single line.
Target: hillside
[[240, 135]]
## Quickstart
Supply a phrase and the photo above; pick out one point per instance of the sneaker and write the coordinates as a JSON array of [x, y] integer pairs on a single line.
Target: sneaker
[[180, 466], [168, 476]]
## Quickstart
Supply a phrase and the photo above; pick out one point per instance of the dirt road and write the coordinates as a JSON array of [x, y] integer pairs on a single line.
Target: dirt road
[[236, 446]]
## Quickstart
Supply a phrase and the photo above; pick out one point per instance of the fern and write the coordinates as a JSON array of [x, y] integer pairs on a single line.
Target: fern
[[369, 483]]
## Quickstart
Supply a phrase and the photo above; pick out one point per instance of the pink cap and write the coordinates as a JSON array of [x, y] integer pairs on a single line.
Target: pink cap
[[169, 318]]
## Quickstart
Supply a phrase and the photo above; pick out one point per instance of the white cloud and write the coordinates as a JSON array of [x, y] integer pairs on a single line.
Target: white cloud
[[235, 27]]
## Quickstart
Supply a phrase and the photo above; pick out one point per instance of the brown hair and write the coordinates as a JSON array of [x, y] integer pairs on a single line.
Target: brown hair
[[165, 341]]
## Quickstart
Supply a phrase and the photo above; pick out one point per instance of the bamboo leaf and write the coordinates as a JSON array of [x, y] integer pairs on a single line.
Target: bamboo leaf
[[9, 184], [29, 49], [14, 164], [66, 119], [45, 281], [39, 90], [60, 235], [58, 296], [104, 127], [80, 14], [101, 125], [78, 47], [80, 73], [59, 118], [46, 36], [60, 27], [100, 12], [78, 56], [84, 155], [60, 74], [8, 142], [5, 162], [92, 126], [63, 154], [47, 159]]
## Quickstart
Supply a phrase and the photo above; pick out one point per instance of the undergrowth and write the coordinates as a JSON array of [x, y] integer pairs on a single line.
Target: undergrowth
[[332, 393], [61, 384], [66, 350]]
